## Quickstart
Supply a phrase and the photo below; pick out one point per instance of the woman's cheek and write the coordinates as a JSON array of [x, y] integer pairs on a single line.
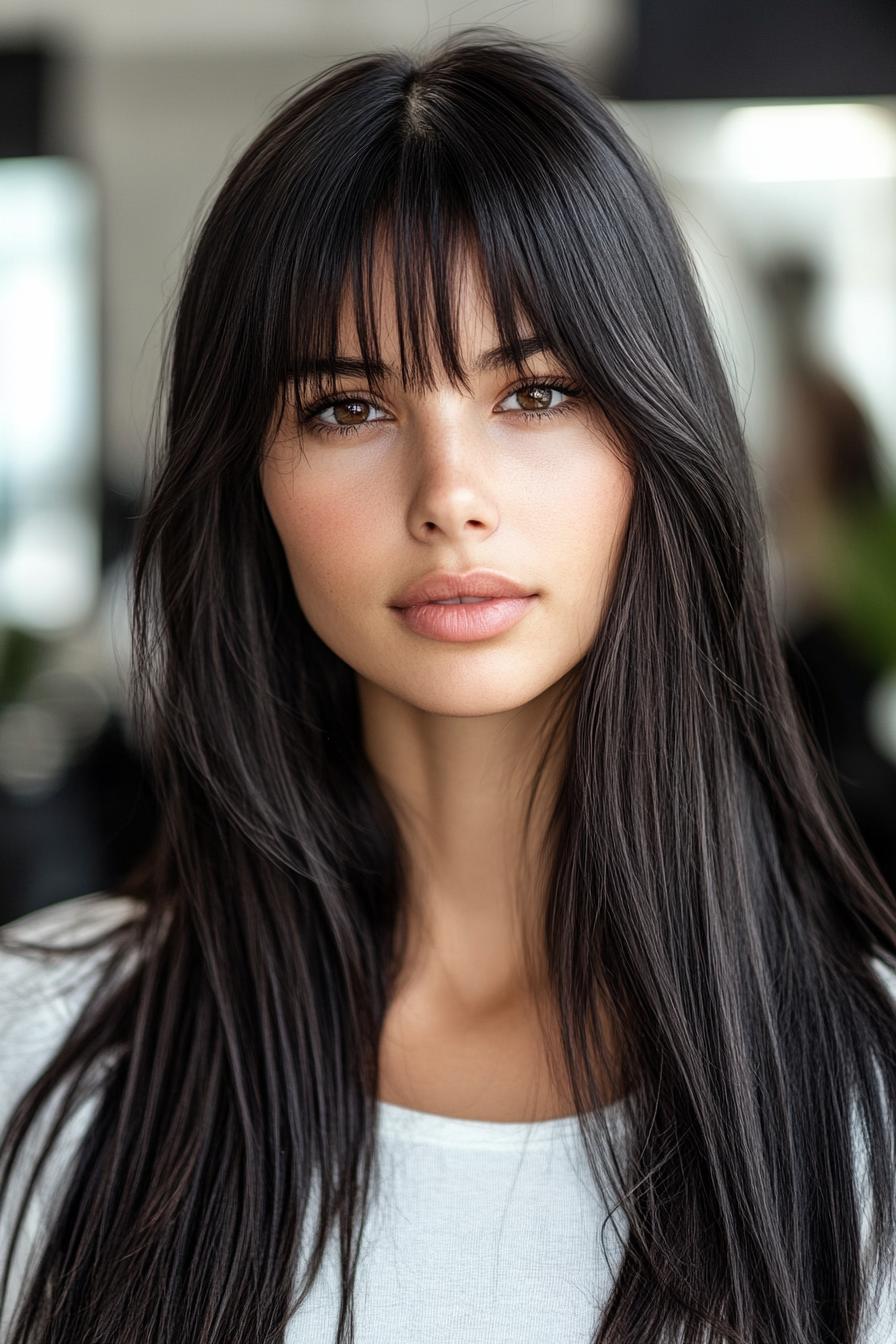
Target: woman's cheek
[[332, 551]]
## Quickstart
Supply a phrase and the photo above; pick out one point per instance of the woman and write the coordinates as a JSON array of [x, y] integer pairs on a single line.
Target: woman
[[473, 928]]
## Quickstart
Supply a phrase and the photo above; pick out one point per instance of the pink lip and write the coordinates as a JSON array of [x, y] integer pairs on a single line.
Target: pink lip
[[445, 583], [464, 622]]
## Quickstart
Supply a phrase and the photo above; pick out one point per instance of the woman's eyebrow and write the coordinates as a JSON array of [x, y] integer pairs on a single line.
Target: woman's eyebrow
[[501, 356]]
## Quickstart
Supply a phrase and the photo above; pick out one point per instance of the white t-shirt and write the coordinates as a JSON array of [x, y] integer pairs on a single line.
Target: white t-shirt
[[482, 1232]]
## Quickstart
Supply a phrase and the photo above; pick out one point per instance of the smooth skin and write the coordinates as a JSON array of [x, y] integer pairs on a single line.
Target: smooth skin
[[446, 479]]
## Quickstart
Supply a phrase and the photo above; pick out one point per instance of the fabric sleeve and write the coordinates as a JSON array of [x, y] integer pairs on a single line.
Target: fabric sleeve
[[40, 998], [879, 1324]]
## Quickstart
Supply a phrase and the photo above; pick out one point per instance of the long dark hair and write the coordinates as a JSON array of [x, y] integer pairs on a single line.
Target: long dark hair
[[706, 877]]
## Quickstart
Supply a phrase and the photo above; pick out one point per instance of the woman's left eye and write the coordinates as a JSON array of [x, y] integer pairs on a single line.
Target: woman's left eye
[[535, 392], [538, 392]]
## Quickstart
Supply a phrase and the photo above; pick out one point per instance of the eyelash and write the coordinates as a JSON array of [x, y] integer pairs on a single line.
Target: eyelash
[[555, 384]]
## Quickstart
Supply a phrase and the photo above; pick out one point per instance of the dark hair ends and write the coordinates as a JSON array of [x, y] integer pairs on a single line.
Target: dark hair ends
[[698, 836]]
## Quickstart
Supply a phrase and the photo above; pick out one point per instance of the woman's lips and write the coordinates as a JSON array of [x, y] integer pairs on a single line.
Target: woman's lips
[[459, 622]]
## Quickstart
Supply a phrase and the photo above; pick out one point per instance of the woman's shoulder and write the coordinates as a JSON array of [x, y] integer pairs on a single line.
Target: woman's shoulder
[[28, 973], [879, 1324], [94, 909], [42, 993], [886, 973]]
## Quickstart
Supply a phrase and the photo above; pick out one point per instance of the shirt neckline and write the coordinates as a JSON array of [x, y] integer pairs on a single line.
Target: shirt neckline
[[451, 1131]]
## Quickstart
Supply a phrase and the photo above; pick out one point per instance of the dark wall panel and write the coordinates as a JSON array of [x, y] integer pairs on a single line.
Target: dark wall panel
[[802, 49]]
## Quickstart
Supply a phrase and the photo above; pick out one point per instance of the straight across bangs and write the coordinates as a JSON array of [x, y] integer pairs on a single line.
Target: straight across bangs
[[420, 205]]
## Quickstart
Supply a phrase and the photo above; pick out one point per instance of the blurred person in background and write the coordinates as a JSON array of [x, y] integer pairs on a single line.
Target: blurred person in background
[[471, 929], [833, 520]]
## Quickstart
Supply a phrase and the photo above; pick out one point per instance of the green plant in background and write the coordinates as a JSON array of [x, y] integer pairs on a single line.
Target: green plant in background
[[859, 574], [21, 653]]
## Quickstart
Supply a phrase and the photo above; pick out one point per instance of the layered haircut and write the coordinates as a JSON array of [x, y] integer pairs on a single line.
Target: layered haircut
[[706, 878]]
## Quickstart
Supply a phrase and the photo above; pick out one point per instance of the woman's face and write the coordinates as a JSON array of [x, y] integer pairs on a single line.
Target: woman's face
[[450, 480]]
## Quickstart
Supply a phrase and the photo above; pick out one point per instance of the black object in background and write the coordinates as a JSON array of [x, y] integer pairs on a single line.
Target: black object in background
[[33, 111], [802, 49], [86, 836], [833, 683]]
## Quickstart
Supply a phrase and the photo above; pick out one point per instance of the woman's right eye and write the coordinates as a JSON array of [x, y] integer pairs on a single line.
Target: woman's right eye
[[316, 425]]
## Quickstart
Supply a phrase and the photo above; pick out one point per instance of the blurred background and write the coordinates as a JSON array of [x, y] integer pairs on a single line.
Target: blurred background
[[773, 132]]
